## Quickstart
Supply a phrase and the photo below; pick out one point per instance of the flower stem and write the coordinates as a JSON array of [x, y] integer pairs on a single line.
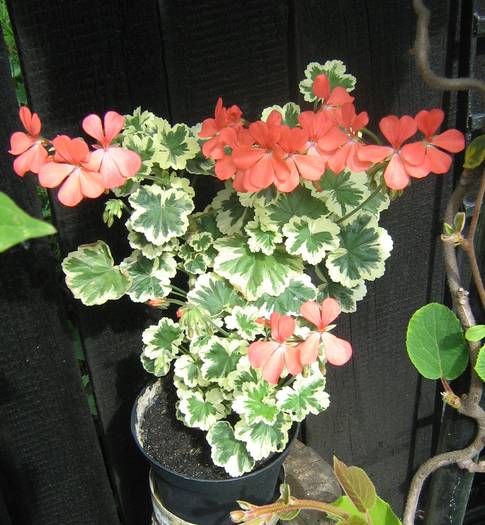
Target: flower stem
[[372, 135], [319, 274], [179, 290], [360, 206]]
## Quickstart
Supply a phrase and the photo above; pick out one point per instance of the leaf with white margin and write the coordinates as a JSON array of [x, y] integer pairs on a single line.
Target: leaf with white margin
[[166, 335], [160, 214], [347, 297], [227, 451], [298, 203], [219, 357], [299, 290], [289, 112], [202, 410], [175, 146], [262, 238], [194, 262], [214, 294], [243, 320], [260, 198], [150, 278], [254, 274], [175, 181], [231, 215], [364, 248], [139, 242], [305, 396], [335, 71], [187, 368], [205, 221], [200, 241], [311, 238], [261, 438], [92, 276], [256, 403], [243, 375], [344, 191]]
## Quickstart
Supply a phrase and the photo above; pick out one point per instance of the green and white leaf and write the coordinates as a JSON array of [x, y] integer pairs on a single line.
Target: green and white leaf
[[262, 438], [262, 238], [243, 375], [201, 410], [219, 357], [259, 199], [227, 451], [346, 296], [289, 112], [299, 290], [150, 278], [305, 396], [254, 274], [343, 192], [257, 403], [176, 146], [311, 238], [146, 148], [92, 276], [364, 248], [160, 214], [165, 335], [149, 250], [205, 221], [200, 241], [231, 215], [194, 262], [187, 367], [243, 320], [214, 294], [336, 73]]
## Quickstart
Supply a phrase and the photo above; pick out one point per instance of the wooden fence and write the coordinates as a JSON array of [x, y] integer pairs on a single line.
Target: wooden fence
[[175, 57]]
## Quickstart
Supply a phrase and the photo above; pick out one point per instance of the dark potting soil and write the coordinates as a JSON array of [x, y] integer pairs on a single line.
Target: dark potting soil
[[169, 442]]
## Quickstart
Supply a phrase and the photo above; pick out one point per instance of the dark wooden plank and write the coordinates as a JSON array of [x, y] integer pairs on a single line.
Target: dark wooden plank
[[51, 466], [81, 57], [381, 415]]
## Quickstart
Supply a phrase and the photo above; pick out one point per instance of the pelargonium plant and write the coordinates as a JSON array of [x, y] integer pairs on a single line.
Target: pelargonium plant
[[261, 274]]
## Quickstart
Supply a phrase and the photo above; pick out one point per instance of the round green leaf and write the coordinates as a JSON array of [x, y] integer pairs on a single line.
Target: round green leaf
[[475, 153], [480, 364], [435, 342], [381, 513], [356, 484], [475, 333]]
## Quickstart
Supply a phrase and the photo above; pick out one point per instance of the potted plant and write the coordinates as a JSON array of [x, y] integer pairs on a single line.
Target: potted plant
[[258, 277]]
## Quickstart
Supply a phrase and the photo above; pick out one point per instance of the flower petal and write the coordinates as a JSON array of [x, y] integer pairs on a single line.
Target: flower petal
[[450, 140], [70, 193], [373, 153], [310, 167], [321, 87], [339, 96], [93, 126], [413, 153], [282, 326], [395, 175], [429, 121], [225, 168], [311, 312], [92, 184], [337, 351], [20, 142], [292, 360], [439, 161], [245, 157], [53, 173], [32, 160], [113, 124], [330, 310], [274, 365], [309, 349]]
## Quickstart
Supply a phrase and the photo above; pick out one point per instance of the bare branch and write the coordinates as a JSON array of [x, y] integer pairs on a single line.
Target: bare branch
[[471, 466], [421, 51]]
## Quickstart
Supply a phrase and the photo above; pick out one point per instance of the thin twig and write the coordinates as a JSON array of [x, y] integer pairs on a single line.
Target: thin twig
[[421, 52]]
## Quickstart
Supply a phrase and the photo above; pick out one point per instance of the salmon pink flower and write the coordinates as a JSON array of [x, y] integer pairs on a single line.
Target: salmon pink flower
[[450, 140], [211, 128], [337, 351], [115, 163], [28, 146], [404, 161], [71, 163], [264, 163], [273, 356], [347, 154], [331, 97]]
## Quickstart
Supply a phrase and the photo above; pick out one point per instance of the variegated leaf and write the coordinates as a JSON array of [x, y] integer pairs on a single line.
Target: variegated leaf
[[262, 238], [289, 112], [243, 320], [202, 410], [257, 403], [336, 73], [176, 146], [346, 296], [231, 215], [219, 358]]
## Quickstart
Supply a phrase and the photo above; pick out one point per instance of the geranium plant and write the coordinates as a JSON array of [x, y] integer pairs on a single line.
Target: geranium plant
[[261, 274]]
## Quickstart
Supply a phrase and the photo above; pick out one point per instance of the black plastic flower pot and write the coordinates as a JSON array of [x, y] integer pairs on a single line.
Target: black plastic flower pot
[[199, 501]]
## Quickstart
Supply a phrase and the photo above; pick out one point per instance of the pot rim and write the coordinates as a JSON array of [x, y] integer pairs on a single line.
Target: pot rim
[[249, 475]]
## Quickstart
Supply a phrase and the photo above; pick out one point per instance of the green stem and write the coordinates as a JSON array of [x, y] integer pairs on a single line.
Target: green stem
[[179, 290], [372, 135], [174, 292], [319, 274], [360, 206], [175, 301]]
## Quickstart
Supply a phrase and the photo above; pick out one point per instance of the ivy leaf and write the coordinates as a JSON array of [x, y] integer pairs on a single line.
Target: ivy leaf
[[311, 238], [335, 71], [16, 226], [475, 333], [262, 438], [256, 403], [475, 153], [262, 238], [306, 395], [363, 249], [243, 320], [231, 215], [227, 451], [480, 364], [299, 290], [344, 191], [175, 146], [214, 294], [254, 274], [289, 112], [435, 342], [345, 296], [219, 357], [381, 513], [202, 410], [160, 214], [356, 484], [92, 276], [150, 278]]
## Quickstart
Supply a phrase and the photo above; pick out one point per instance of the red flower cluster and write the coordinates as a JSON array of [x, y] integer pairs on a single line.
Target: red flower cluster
[[67, 161], [260, 154]]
